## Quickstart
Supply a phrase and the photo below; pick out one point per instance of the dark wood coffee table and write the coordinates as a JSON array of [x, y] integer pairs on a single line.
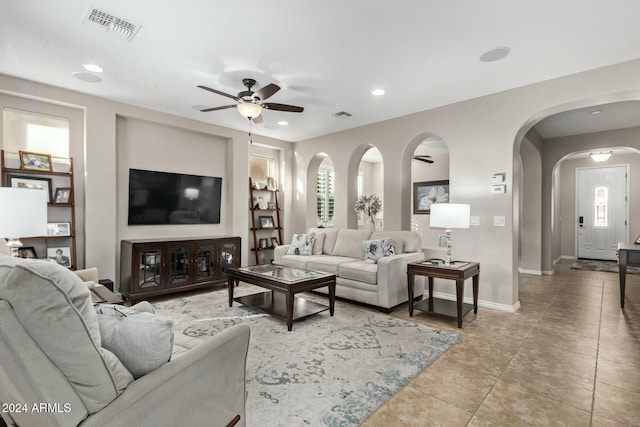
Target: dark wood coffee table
[[283, 283]]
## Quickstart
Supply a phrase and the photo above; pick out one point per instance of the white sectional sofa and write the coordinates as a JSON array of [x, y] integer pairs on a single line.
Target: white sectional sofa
[[341, 252]]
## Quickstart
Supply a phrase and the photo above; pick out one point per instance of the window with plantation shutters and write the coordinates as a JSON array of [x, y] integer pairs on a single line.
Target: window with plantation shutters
[[325, 199]]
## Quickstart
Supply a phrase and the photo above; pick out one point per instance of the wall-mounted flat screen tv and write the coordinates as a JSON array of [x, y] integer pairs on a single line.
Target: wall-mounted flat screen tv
[[173, 198]]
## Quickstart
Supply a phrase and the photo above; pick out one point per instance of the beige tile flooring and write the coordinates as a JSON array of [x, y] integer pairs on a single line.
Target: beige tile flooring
[[569, 356]]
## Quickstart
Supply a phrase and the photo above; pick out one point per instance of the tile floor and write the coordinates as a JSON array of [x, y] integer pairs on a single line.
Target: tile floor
[[569, 356]]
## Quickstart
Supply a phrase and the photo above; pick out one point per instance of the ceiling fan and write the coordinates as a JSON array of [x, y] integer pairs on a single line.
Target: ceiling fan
[[250, 103], [426, 159]]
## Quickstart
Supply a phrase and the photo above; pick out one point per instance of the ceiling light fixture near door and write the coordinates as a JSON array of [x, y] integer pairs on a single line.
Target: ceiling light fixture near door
[[601, 156], [495, 54], [595, 112], [283, 123], [86, 77], [378, 92]]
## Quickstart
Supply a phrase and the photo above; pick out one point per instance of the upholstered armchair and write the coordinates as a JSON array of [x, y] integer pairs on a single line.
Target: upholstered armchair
[[55, 369]]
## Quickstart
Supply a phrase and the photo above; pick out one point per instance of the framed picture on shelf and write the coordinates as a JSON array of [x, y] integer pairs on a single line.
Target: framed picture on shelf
[[266, 222], [637, 242], [271, 205], [427, 193], [60, 254], [35, 161], [43, 184], [59, 229], [62, 196], [27, 252], [259, 203], [263, 243], [271, 184], [274, 242]]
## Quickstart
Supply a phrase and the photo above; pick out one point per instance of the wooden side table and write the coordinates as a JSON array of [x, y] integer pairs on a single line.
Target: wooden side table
[[458, 271], [628, 255], [101, 294]]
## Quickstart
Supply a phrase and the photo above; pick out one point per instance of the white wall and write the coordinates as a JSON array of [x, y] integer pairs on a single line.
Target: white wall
[[99, 150], [483, 136], [530, 206]]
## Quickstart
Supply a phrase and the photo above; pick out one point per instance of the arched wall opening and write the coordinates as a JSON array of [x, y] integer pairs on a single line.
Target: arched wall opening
[[370, 182], [318, 161], [551, 151], [352, 186]]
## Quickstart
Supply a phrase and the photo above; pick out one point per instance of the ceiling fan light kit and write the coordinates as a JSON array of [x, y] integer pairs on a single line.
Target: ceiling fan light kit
[[250, 104]]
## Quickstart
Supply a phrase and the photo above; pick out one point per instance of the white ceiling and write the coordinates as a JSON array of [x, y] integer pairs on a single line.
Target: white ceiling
[[326, 55]]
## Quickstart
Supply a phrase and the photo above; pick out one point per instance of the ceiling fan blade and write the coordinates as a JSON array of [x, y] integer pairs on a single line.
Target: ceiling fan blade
[[426, 159], [219, 93], [282, 107], [266, 92], [224, 107], [258, 119]]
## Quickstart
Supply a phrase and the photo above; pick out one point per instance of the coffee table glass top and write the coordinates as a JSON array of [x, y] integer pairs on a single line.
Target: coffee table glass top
[[283, 274]]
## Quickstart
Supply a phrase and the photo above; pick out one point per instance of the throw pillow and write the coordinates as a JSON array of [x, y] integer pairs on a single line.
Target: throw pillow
[[376, 249], [302, 244], [142, 341]]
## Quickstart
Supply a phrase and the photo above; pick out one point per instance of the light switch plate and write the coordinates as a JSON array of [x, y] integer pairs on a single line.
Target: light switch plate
[[499, 221], [474, 220]]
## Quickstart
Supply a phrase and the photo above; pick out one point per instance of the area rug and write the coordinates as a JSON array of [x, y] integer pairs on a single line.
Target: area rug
[[608, 266], [328, 371]]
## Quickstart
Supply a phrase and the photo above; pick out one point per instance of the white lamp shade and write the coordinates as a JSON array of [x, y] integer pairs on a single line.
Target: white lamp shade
[[249, 110], [450, 215], [23, 212]]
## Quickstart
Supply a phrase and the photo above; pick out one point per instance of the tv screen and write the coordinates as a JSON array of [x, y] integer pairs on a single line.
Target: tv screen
[[172, 198]]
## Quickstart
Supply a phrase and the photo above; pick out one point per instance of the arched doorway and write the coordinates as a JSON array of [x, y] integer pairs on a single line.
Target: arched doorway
[[371, 183]]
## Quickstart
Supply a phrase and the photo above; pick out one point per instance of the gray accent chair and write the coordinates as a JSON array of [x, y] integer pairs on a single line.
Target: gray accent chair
[[45, 310]]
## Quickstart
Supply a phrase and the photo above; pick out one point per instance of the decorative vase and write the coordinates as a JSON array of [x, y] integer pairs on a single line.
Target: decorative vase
[[372, 224]]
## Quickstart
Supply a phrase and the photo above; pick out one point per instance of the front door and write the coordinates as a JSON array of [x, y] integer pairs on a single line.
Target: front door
[[602, 211]]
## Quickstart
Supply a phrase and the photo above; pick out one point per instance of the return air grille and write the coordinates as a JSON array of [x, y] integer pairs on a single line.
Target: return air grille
[[118, 27]]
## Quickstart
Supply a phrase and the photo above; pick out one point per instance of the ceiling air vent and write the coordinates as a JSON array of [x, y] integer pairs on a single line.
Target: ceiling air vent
[[341, 115], [120, 28]]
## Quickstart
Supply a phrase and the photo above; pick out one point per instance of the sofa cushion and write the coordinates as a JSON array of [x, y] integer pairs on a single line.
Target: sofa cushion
[[294, 261], [302, 244], [318, 243], [411, 239], [376, 249], [142, 341], [327, 263], [55, 308], [349, 243], [361, 271], [330, 236]]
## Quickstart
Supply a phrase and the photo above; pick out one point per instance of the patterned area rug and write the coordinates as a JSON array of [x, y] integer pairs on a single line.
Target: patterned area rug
[[609, 266], [328, 371]]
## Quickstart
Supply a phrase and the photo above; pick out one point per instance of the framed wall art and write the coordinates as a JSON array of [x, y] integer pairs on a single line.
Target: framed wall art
[[59, 229], [62, 196], [35, 161], [266, 222], [427, 193], [43, 184], [60, 254]]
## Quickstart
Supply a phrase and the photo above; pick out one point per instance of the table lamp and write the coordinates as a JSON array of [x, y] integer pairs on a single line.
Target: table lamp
[[23, 213], [448, 216]]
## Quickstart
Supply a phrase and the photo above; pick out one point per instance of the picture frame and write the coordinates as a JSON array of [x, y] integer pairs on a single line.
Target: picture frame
[[271, 184], [259, 203], [637, 242], [61, 255], [274, 242], [271, 205], [35, 161], [428, 192], [266, 222], [263, 243], [27, 252], [62, 196], [59, 229], [18, 181]]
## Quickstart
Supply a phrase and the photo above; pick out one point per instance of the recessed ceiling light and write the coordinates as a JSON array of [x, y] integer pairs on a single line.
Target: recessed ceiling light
[[283, 123], [86, 77], [378, 92], [594, 112], [92, 67], [495, 54]]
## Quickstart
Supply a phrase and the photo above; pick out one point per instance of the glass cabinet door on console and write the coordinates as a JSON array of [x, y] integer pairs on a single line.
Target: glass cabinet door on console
[[228, 255], [150, 273], [205, 262], [180, 262]]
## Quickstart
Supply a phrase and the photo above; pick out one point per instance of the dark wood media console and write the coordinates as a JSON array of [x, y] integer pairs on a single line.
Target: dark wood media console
[[163, 266]]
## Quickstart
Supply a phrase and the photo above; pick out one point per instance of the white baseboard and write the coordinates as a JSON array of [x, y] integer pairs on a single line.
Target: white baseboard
[[481, 303], [527, 271], [547, 272]]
